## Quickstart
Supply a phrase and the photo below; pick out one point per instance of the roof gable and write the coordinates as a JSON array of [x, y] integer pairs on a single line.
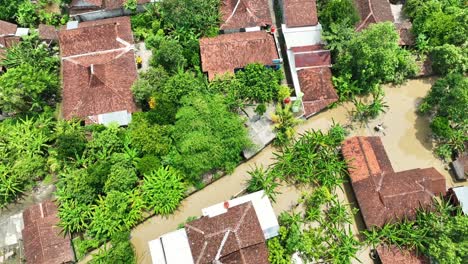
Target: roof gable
[[7, 28], [98, 68], [238, 14], [373, 11], [226, 235]]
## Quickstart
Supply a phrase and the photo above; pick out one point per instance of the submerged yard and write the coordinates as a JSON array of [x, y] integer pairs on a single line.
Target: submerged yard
[[406, 138]]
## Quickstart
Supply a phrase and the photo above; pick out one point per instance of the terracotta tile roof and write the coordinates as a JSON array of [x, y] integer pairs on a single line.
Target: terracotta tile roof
[[384, 195], [228, 52], [394, 255], [238, 14], [43, 243], [300, 13], [373, 11], [406, 36], [47, 32], [318, 90], [235, 237], [315, 78], [7, 28], [98, 68]]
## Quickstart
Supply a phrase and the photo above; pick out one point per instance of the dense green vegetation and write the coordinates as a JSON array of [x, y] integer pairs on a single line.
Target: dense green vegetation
[[28, 14], [446, 105], [440, 234], [441, 32], [32, 80]]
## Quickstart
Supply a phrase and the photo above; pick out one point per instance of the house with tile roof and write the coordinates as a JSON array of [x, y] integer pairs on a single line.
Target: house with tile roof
[[227, 53], [87, 10], [44, 243], [98, 69], [244, 15], [384, 195], [230, 232], [309, 62]]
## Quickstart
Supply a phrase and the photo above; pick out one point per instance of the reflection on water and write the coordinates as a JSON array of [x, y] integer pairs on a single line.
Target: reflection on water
[[406, 139]]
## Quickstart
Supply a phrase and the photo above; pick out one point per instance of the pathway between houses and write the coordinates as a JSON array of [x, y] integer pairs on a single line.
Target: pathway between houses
[[406, 140]]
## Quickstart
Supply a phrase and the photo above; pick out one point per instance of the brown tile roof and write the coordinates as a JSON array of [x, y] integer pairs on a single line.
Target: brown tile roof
[[318, 89], [7, 28], [405, 34], [373, 11], [384, 195], [394, 255], [300, 13], [47, 32], [43, 243], [315, 78], [235, 237], [245, 13], [228, 52], [98, 68]]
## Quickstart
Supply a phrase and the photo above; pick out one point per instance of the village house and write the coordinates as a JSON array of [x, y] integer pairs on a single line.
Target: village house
[[227, 53], [386, 196], [87, 10], [98, 70], [243, 39], [309, 62], [44, 243], [47, 33], [230, 232]]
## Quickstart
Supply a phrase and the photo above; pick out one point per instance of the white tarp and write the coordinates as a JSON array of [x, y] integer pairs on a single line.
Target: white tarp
[[462, 196], [171, 248], [302, 36]]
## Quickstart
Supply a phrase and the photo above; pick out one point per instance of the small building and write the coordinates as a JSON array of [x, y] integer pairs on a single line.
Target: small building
[[244, 15], [384, 195], [230, 232], [43, 241], [98, 70], [87, 10], [227, 53], [395, 255], [309, 62]]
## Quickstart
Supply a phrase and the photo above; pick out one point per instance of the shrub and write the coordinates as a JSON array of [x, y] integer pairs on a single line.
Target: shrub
[[262, 179], [337, 12], [163, 190], [207, 137], [259, 83], [121, 251], [150, 139], [285, 121], [169, 54], [122, 178], [149, 83], [148, 163], [449, 59]]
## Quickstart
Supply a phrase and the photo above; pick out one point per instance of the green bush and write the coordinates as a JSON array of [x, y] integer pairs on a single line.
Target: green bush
[[120, 251], [259, 83], [373, 57], [262, 179], [150, 139], [449, 59], [149, 83], [169, 54], [148, 163], [337, 12], [163, 190], [207, 137]]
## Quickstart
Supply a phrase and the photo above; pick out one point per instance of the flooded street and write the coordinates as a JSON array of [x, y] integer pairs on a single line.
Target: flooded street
[[406, 140]]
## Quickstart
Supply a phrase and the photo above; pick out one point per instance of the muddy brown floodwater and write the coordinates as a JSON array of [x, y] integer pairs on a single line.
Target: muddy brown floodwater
[[406, 140]]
